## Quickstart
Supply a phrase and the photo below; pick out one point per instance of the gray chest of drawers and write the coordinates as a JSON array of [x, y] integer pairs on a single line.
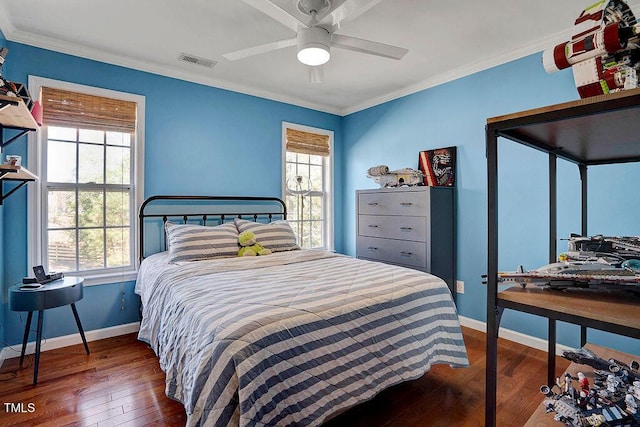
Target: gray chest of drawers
[[409, 226]]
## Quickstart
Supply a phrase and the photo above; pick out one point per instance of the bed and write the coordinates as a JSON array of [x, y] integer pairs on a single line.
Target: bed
[[291, 338]]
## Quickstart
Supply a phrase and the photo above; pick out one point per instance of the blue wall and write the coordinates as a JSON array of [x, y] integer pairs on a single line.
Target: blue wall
[[199, 140], [3, 296], [455, 114]]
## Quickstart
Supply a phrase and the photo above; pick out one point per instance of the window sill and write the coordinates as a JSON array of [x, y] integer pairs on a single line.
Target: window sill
[[108, 278]]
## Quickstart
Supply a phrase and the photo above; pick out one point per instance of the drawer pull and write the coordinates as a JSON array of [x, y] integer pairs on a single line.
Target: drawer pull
[[406, 228], [372, 248], [372, 226], [406, 204], [372, 203], [406, 254]]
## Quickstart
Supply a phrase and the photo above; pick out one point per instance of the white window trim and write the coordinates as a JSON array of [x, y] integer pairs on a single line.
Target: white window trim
[[328, 175], [34, 207]]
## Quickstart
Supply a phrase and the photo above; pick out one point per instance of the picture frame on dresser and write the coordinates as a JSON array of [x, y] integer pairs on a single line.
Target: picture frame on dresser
[[438, 166]]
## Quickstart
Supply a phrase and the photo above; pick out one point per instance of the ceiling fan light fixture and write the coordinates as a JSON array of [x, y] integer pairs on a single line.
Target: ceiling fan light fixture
[[314, 55], [314, 46]]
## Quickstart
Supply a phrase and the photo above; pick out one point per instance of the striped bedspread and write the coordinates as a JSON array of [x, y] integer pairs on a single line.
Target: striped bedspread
[[291, 338]]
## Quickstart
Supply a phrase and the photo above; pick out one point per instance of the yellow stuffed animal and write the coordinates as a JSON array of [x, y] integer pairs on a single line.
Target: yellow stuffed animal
[[249, 245]]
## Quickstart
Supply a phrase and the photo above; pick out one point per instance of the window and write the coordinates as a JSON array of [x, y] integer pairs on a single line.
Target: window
[[89, 153], [307, 188]]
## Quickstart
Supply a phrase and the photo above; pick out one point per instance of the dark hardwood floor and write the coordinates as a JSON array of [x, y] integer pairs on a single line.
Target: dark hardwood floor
[[120, 383]]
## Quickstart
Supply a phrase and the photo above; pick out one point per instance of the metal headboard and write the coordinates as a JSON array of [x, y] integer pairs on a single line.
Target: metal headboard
[[205, 210]]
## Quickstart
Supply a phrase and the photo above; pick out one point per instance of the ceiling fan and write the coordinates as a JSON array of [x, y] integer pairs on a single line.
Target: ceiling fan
[[315, 23]]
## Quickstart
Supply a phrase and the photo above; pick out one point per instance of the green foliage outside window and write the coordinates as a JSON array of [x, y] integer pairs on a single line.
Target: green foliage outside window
[[306, 211], [88, 177]]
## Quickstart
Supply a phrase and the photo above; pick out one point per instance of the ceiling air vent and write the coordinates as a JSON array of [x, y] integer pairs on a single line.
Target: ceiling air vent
[[192, 59]]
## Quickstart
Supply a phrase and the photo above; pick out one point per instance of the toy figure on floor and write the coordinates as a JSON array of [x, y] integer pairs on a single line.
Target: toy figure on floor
[[611, 400]]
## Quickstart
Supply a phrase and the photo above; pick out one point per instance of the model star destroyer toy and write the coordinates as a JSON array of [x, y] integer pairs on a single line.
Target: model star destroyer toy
[[612, 399], [604, 53], [599, 262], [397, 178]]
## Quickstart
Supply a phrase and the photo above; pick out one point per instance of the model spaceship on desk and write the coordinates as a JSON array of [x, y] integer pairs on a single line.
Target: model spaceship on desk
[[568, 274], [622, 248], [599, 262]]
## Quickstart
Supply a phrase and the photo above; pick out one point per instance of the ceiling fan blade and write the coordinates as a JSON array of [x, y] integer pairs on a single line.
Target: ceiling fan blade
[[277, 13], [256, 50], [367, 46], [316, 74], [347, 11]]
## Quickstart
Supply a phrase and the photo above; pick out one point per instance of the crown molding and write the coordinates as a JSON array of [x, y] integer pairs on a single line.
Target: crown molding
[[56, 45], [6, 25], [494, 61]]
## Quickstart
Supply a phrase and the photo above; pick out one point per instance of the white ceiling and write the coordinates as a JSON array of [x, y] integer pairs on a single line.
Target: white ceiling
[[446, 40]]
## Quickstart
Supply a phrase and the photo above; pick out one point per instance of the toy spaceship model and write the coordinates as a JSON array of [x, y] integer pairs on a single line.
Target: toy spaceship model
[[604, 52], [612, 400], [396, 178], [599, 262]]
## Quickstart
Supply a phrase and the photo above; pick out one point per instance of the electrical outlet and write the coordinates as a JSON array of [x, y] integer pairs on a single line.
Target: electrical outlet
[[459, 286]]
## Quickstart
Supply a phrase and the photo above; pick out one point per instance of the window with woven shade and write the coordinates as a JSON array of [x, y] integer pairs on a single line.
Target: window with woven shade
[[90, 182], [307, 182], [302, 142], [66, 108]]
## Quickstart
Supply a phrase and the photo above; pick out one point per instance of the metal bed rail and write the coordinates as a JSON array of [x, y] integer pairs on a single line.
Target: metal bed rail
[[206, 209]]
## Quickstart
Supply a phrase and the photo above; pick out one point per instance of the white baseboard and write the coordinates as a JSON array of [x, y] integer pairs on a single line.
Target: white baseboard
[[67, 340], [98, 334], [514, 336]]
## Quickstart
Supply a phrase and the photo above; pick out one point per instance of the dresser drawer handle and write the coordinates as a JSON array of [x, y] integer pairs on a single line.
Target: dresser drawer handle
[[372, 226], [372, 248], [406, 204], [372, 203], [405, 253], [406, 228]]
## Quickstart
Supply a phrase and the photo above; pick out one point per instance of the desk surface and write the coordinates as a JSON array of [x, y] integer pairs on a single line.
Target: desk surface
[[61, 292], [600, 310]]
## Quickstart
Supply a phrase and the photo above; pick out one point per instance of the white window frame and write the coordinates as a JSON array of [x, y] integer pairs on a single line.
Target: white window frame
[[327, 178], [36, 221]]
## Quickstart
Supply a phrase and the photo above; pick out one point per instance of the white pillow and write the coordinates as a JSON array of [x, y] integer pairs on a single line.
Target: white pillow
[[190, 242], [277, 235]]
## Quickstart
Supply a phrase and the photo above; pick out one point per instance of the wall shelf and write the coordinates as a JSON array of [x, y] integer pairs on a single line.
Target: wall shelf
[[14, 173], [14, 115], [593, 131]]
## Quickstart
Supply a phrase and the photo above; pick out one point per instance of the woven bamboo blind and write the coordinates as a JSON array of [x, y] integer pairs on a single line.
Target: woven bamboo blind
[[307, 143], [73, 109]]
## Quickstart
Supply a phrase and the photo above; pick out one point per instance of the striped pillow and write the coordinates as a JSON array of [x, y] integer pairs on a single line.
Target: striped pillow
[[190, 242], [277, 236]]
